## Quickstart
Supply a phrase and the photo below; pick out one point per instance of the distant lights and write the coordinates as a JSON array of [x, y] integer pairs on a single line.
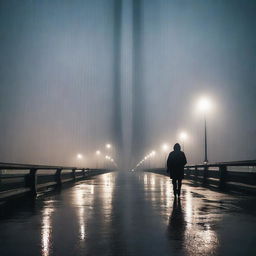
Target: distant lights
[[183, 135], [151, 154], [165, 147], [108, 146], [79, 156]]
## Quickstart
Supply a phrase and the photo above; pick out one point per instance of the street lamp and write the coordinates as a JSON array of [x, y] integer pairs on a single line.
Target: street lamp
[[151, 155], [107, 158], [165, 148], [204, 106], [98, 153], [183, 137], [108, 146], [79, 156]]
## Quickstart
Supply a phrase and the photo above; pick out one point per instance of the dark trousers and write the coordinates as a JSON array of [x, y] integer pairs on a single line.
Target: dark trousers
[[176, 186]]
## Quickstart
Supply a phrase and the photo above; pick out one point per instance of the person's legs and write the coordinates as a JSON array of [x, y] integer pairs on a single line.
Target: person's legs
[[174, 183], [179, 186]]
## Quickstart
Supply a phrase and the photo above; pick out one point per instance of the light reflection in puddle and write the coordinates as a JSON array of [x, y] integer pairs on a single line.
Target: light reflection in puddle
[[107, 195], [185, 226], [46, 229], [86, 196], [83, 196], [200, 237]]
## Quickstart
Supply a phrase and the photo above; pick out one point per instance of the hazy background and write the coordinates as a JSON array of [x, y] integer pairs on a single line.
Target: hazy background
[[75, 75]]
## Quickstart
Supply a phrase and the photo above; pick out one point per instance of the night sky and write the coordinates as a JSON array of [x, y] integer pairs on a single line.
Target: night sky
[[75, 75]]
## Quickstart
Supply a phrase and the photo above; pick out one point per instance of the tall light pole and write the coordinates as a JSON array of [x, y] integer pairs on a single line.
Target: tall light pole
[[107, 158], [97, 156], [204, 105], [111, 149], [205, 141], [108, 146], [151, 155], [183, 137], [165, 148], [79, 157]]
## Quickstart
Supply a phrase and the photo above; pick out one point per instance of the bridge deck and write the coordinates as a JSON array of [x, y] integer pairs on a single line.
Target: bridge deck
[[131, 214]]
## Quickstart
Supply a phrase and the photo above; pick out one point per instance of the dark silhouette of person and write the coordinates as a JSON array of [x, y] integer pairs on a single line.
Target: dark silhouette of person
[[175, 167]]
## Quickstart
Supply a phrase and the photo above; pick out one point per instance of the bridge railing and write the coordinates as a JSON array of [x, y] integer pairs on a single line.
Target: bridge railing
[[238, 175], [23, 178], [225, 174]]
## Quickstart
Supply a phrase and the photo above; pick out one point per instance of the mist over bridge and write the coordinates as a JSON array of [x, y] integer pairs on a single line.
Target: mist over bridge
[[94, 94]]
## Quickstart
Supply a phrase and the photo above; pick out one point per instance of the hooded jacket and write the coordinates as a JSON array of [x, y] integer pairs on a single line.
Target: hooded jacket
[[176, 162]]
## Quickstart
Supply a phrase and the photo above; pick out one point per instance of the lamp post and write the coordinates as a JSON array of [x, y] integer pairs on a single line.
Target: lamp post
[[205, 141], [204, 105], [97, 155], [183, 137], [79, 157], [165, 148], [151, 155], [106, 161], [111, 149], [108, 146]]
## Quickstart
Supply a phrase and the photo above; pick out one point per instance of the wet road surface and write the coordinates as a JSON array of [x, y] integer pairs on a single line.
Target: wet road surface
[[131, 214]]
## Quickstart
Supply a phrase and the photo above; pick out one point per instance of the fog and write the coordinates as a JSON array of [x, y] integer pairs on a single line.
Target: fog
[[75, 75]]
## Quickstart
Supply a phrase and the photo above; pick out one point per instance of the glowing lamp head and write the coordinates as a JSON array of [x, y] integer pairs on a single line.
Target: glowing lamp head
[[97, 152], [108, 146], [153, 153], [183, 136], [204, 105], [79, 156], [165, 147]]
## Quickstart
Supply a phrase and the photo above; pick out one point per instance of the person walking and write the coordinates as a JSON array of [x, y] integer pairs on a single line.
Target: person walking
[[175, 167]]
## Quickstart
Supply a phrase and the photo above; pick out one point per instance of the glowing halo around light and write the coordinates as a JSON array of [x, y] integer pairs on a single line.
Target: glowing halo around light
[[79, 156], [204, 105]]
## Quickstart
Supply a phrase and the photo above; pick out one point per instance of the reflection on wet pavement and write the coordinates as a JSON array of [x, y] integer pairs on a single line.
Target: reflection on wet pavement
[[131, 214]]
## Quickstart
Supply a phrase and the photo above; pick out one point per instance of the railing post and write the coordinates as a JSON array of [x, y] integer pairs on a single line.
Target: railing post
[[87, 172], [205, 178], [58, 177], [223, 176], [188, 172], [33, 181], [83, 170], [74, 174], [196, 172]]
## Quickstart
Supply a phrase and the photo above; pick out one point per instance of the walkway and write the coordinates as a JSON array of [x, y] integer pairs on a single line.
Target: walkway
[[131, 214]]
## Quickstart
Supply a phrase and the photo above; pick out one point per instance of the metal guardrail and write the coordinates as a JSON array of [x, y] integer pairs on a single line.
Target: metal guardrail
[[220, 173], [30, 177]]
